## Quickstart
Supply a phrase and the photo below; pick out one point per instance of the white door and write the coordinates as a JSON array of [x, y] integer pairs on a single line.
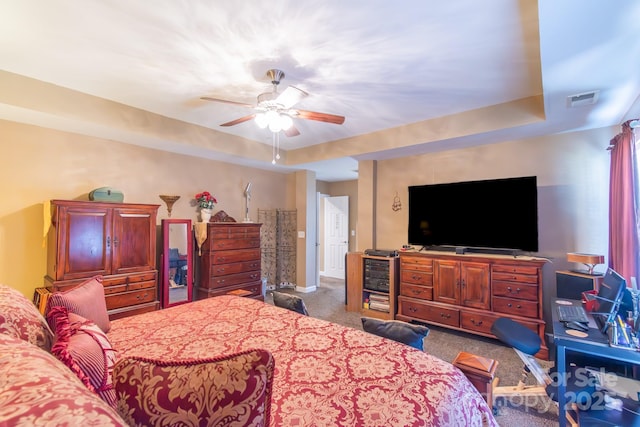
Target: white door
[[336, 232]]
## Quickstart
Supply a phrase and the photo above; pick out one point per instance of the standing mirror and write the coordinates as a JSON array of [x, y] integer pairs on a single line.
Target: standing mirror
[[177, 261]]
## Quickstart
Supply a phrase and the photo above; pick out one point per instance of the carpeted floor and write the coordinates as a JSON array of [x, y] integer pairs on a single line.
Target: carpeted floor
[[327, 303]]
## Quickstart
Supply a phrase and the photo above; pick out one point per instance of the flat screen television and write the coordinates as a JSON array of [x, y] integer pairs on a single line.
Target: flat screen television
[[488, 214]]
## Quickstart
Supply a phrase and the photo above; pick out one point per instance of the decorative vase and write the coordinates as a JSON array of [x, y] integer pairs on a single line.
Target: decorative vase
[[205, 214]]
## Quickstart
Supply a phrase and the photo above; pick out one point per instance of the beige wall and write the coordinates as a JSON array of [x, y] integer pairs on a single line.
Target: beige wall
[[41, 164]]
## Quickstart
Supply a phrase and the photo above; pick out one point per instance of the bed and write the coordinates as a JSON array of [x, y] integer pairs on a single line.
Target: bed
[[325, 374]]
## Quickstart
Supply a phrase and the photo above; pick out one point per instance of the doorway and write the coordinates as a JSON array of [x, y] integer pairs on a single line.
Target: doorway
[[336, 235]]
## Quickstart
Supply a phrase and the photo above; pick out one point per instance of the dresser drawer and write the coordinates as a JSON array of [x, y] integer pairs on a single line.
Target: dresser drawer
[[515, 290], [231, 279], [417, 277], [478, 322], [124, 299], [514, 277], [221, 244], [415, 291], [225, 257], [515, 307], [126, 287], [416, 263], [124, 279], [514, 273], [231, 236], [432, 313], [213, 270]]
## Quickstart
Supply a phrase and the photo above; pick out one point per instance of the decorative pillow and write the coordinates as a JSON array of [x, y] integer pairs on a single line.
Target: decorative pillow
[[21, 319], [397, 330], [228, 390], [84, 348], [290, 302], [36, 389], [86, 300]]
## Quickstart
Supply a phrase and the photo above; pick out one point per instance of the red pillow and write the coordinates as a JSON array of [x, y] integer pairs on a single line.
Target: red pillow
[[84, 348], [233, 389], [86, 300], [21, 319]]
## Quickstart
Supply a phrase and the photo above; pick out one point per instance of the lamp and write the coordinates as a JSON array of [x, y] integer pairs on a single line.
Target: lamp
[[589, 260]]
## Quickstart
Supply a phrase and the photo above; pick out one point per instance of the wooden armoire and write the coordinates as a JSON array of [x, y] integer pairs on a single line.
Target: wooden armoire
[[114, 240]]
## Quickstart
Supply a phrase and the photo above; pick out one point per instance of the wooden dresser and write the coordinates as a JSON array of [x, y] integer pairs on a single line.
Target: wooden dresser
[[469, 292], [114, 240], [230, 261]]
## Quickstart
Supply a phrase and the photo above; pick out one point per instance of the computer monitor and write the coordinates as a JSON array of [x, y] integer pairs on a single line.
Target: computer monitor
[[609, 298]]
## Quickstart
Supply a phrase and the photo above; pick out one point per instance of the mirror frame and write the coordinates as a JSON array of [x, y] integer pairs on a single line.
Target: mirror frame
[[164, 276]]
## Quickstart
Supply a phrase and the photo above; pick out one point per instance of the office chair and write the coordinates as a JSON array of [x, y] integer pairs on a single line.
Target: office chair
[[403, 332], [526, 343], [290, 302]]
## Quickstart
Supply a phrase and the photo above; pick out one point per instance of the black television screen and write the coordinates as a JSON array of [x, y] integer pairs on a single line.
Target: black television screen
[[496, 213]]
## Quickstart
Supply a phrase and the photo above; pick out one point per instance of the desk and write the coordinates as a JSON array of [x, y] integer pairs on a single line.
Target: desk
[[595, 344]]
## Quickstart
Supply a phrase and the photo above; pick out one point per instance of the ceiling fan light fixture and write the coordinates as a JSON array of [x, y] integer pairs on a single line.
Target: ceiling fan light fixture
[[261, 120], [285, 121]]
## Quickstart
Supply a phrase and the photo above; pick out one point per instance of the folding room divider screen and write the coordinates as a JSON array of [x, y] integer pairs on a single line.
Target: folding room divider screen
[[278, 246]]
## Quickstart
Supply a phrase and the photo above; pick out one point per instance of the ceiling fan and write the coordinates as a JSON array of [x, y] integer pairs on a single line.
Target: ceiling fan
[[274, 108]]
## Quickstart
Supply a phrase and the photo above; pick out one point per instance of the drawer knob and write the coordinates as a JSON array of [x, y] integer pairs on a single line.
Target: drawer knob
[[141, 297], [416, 292], [416, 277], [445, 315], [413, 309], [476, 323]]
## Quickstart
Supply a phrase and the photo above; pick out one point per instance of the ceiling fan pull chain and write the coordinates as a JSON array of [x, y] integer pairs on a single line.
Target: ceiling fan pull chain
[[273, 148]]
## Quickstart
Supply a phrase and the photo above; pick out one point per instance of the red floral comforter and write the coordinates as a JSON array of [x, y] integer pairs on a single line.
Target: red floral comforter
[[326, 374]]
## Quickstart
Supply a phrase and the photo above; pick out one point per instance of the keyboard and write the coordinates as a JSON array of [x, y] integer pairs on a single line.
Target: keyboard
[[572, 313]]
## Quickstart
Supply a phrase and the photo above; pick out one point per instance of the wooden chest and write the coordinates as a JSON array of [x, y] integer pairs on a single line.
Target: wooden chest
[[230, 261]]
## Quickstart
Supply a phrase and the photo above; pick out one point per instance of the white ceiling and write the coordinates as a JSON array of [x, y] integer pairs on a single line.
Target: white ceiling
[[383, 65]]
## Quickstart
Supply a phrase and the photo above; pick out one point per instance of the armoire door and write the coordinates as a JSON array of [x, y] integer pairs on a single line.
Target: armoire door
[[84, 242], [134, 242]]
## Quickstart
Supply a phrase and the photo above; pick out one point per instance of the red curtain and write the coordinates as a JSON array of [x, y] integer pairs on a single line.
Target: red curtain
[[623, 203]]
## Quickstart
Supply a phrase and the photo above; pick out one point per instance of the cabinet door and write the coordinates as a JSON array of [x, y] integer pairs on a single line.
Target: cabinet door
[[84, 238], [134, 240], [446, 286], [474, 285]]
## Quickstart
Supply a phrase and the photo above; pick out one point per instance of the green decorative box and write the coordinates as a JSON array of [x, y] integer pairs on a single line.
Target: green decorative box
[[106, 194]]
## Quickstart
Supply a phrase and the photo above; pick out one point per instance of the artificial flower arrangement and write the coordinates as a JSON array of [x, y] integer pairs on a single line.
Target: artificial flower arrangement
[[206, 200]]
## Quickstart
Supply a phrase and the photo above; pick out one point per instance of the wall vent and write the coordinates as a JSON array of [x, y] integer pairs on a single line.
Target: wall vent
[[581, 99]]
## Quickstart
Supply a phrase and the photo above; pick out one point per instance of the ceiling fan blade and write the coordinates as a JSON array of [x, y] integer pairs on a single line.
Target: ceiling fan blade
[[292, 131], [242, 104], [291, 96], [321, 117], [238, 121]]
